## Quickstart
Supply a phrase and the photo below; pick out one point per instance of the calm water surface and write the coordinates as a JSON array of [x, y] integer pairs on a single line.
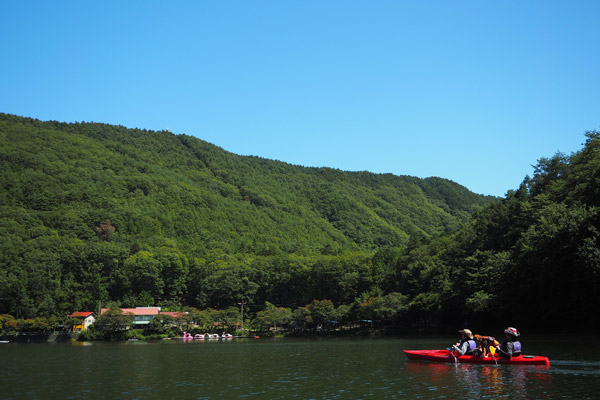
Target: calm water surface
[[289, 369]]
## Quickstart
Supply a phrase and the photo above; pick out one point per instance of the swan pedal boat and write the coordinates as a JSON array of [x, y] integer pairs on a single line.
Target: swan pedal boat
[[447, 357]]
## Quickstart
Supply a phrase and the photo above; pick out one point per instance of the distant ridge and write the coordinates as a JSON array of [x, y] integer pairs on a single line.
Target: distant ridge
[[153, 184]]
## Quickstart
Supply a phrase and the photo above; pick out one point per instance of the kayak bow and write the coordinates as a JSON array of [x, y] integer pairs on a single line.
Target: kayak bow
[[447, 357]]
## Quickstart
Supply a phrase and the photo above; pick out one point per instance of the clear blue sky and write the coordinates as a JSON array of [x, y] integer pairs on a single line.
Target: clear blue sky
[[472, 91]]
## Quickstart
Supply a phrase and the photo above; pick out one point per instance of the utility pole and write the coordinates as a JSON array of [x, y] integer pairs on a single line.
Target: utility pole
[[242, 304]]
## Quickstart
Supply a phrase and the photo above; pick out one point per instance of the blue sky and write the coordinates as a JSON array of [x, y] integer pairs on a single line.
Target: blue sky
[[472, 91]]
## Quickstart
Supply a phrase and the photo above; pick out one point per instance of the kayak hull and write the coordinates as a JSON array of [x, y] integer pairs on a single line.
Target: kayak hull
[[447, 357]]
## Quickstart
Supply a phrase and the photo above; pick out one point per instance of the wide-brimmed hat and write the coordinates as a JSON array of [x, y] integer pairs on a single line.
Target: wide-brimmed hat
[[467, 332], [512, 331]]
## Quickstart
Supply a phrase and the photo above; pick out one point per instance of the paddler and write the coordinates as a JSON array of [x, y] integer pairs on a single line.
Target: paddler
[[486, 346], [510, 347], [466, 345]]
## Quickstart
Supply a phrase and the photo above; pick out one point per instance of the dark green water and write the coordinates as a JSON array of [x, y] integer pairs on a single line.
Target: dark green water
[[289, 369]]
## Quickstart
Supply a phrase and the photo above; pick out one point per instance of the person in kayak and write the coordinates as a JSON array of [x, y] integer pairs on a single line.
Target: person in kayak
[[486, 346], [467, 345], [510, 347]]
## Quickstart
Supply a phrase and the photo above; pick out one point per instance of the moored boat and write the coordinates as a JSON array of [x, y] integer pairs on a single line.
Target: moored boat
[[447, 357]]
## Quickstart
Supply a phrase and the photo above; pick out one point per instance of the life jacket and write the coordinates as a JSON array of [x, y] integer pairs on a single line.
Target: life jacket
[[490, 339], [516, 348], [488, 349], [472, 346]]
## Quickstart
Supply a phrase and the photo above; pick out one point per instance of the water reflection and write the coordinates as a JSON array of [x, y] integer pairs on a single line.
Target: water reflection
[[282, 369], [482, 381]]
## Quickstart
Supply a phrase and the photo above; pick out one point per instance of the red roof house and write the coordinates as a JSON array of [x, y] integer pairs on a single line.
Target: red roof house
[[87, 318], [143, 315]]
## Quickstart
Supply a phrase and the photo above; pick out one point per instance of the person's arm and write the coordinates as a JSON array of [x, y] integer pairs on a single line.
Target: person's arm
[[508, 351], [462, 347]]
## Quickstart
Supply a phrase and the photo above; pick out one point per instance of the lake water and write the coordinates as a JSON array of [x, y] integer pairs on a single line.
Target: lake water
[[290, 369]]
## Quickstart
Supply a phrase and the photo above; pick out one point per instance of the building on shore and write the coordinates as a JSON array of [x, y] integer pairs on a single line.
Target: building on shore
[[143, 315], [86, 319]]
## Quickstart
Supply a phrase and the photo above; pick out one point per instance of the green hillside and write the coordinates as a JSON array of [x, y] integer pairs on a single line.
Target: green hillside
[[157, 184], [92, 213]]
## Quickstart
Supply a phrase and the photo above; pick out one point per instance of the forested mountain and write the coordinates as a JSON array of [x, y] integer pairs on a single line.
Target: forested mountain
[[92, 213]]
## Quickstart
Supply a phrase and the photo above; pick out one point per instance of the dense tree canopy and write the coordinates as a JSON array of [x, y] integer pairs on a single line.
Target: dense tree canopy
[[534, 257], [94, 214]]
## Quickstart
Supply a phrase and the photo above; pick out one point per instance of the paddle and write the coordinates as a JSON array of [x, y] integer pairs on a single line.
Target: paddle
[[451, 350]]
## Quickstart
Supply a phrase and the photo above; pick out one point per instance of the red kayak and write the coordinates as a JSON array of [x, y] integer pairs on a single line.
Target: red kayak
[[447, 357]]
